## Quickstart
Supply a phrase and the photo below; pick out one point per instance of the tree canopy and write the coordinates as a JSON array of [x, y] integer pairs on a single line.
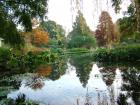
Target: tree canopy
[[136, 6], [105, 32], [128, 26], [81, 35], [22, 11], [53, 29], [15, 12]]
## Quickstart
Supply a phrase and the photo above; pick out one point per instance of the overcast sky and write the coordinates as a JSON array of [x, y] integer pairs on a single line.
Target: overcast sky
[[60, 11]]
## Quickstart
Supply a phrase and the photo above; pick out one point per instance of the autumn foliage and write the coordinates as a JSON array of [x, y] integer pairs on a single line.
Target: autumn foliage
[[44, 70], [105, 33], [40, 37]]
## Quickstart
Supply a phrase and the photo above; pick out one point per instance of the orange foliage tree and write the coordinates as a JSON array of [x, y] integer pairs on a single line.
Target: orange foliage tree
[[105, 33], [40, 37]]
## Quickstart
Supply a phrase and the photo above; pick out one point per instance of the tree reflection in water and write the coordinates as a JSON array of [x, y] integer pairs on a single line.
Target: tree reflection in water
[[35, 82], [131, 85], [131, 81], [44, 70], [83, 65], [108, 75]]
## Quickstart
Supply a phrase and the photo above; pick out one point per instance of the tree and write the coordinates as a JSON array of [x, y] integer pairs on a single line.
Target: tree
[[128, 26], [23, 11], [81, 35], [56, 33], [53, 29], [9, 32], [14, 12], [136, 4], [40, 37], [105, 32]]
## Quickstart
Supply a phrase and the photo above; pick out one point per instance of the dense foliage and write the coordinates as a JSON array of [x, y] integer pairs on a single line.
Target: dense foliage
[[9, 32], [105, 32], [17, 62], [81, 35], [128, 26], [120, 53], [40, 37], [13, 13], [53, 29], [136, 6], [56, 33]]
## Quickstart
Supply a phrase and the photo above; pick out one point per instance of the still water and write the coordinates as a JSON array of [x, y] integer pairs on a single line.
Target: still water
[[83, 82]]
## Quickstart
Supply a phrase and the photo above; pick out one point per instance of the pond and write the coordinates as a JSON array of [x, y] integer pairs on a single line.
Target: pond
[[79, 81]]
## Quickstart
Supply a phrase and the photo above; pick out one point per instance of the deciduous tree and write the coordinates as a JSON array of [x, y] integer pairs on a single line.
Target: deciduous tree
[[40, 37], [136, 4], [15, 12], [105, 33]]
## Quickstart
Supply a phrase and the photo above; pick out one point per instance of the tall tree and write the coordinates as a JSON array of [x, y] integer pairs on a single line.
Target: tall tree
[[136, 4], [22, 11], [81, 35], [105, 32], [14, 12], [8, 31], [56, 33], [128, 26], [53, 29]]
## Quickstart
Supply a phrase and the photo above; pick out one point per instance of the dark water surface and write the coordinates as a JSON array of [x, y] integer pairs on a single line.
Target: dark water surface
[[81, 82]]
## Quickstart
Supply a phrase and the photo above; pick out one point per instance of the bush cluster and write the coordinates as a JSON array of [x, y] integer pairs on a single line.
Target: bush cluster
[[121, 53], [10, 60]]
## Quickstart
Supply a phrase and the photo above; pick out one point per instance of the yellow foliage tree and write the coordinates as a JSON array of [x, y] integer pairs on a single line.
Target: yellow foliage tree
[[40, 37]]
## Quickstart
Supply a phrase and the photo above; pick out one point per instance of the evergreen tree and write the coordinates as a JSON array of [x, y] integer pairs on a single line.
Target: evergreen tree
[[105, 32], [81, 35]]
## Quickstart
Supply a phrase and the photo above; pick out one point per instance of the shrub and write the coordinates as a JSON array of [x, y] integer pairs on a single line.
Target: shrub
[[121, 53], [4, 56]]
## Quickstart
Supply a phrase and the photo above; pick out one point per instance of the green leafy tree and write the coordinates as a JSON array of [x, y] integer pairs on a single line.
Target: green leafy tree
[[14, 12], [9, 32], [136, 5], [53, 29], [56, 33], [23, 11], [128, 26], [81, 35]]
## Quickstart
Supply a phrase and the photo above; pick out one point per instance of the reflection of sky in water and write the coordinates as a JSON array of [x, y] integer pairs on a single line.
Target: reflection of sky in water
[[67, 89]]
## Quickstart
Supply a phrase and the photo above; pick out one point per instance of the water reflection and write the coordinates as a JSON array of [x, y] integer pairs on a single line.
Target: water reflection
[[35, 82], [82, 83], [67, 90], [83, 65], [44, 70], [108, 75], [131, 85]]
